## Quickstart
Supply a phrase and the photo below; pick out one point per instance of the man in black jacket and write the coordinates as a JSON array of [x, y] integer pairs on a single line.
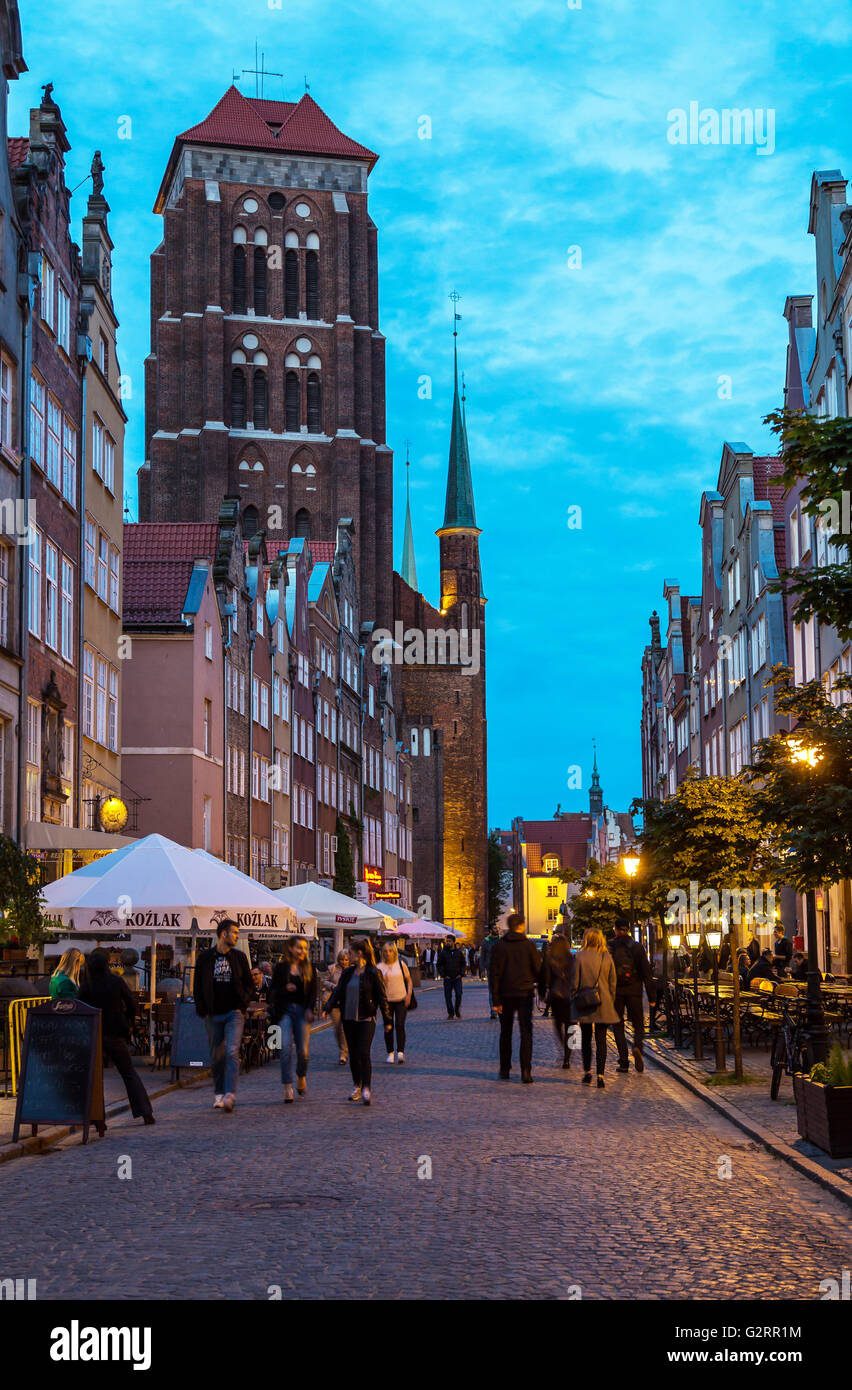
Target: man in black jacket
[[782, 953], [451, 968], [632, 972], [516, 973], [223, 990]]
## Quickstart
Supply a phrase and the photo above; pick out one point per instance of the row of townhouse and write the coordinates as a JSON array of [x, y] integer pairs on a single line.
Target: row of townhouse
[[704, 699], [61, 482], [255, 725]]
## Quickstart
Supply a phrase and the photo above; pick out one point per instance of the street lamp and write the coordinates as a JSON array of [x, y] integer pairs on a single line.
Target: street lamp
[[816, 1033], [674, 946], [714, 941], [630, 864], [693, 941]]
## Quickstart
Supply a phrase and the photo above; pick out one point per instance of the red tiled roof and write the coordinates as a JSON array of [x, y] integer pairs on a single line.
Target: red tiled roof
[[302, 127], [763, 469], [322, 552], [158, 560], [574, 828], [18, 147]]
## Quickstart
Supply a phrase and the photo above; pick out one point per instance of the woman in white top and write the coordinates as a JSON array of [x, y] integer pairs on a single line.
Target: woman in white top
[[397, 982]]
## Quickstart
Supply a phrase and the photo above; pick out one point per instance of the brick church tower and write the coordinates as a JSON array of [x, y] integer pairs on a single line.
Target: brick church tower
[[266, 376], [448, 700]]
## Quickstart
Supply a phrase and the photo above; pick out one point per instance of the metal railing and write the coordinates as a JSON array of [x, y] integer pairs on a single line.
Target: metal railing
[[17, 1024]]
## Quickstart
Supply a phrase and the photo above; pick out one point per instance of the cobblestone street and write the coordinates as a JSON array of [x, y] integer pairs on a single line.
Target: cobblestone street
[[533, 1190]]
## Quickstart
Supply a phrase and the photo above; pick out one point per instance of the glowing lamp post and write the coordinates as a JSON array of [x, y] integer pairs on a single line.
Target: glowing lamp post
[[674, 946], [693, 941], [816, 1034], [714, 941]]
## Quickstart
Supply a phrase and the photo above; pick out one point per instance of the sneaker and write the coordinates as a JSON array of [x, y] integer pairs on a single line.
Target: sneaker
[[228, 1101], [288, 1095], [638, 1060], [587, 1078], [356, 1094], [601, 1083], [400, 1057], [218, 1102], [301, 1085], [365, 1095], [391, 1057]]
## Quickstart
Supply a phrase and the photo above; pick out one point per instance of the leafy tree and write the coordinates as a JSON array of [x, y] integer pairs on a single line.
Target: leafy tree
[[344, 868], [806, 805], [499, 876], [21, 919], [818, 454]]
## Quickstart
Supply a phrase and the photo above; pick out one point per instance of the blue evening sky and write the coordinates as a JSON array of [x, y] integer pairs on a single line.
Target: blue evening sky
[[593, 385]]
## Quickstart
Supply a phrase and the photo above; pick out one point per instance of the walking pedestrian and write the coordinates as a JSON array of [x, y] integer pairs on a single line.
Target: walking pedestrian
[[451, 968], [558, 976], [632, 974], [359, 994], [331, 982], [593, 1001], [485, 954], [471, 960], [107, 992], [396, 978], [222, 990], [65, 980], [516, 973], [292, 1002]]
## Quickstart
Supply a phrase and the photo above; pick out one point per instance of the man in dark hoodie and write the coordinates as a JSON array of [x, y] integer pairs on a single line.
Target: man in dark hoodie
[[632, 974], [516, 973]]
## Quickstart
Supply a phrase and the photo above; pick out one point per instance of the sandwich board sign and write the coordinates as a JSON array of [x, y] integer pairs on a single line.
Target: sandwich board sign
[[62, 1072]]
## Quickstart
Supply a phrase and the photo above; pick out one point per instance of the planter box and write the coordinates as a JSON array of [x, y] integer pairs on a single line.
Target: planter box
[[824, 1115]]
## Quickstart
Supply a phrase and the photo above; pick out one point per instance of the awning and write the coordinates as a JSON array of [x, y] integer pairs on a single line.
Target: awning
[[42, 835]]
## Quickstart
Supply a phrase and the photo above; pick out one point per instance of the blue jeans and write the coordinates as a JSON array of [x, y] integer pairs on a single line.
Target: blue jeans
[[225, 1033], [295, 1032], [451, 988]]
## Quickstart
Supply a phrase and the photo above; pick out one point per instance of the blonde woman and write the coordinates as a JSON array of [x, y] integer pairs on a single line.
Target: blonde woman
[[65, 980], [397, 982], [593, 1001], [292, 1003], [331, 982]]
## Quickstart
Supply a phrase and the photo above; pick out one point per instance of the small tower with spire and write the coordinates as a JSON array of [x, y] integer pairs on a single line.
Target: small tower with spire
[[462, 598], [595, 790]]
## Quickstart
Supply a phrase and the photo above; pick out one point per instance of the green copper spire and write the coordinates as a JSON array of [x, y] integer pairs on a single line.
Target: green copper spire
[[459, 510], [409, 568]]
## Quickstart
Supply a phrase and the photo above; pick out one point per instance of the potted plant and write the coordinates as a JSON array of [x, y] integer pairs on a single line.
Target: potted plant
[[824, 1104]]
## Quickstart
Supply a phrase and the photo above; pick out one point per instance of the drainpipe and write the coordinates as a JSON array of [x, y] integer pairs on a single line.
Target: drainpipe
[[84, 357], [316, 737], [228, 609]]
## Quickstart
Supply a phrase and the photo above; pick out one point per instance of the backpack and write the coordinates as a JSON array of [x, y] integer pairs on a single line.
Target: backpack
[[625, 965]]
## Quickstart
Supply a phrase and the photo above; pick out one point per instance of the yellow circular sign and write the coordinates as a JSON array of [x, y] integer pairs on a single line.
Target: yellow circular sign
[[113, 814]]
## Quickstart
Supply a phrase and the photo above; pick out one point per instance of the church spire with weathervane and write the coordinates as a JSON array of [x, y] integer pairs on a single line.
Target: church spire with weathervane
[[409, 567], [595, 790]]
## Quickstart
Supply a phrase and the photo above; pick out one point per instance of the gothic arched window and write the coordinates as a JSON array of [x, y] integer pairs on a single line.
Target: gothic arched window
[[314, 404], [250, 523], [302, 523], [260, 280], [291, 285], [239, 279], [291, 403], [312, 284], [238, 399], [259, 401]]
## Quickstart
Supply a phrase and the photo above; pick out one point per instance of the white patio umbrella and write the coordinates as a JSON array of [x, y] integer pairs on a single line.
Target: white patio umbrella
[[332, 909], [159, 888], [423, 930], [400, 915]]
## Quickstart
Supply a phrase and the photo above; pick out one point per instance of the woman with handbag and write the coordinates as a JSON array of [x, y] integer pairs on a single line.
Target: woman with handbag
[[593, 1001], [399, 992]]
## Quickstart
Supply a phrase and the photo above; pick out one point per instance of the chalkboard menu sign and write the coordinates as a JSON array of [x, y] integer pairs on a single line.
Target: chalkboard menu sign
[[62, 1078], [190, 1044]]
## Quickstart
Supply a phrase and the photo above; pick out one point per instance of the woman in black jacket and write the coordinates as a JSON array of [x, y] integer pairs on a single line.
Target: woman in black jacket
[[292, 1003], [359, 996], [107, 992]]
